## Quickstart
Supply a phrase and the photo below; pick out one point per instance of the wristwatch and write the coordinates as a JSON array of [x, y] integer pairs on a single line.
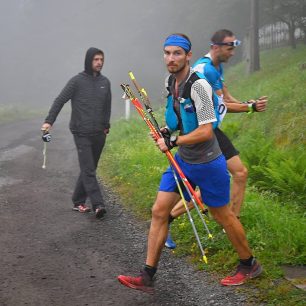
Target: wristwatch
[[173, 140], [250, 108]]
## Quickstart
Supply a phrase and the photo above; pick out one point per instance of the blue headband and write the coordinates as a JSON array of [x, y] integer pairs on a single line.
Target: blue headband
[[179, 41]]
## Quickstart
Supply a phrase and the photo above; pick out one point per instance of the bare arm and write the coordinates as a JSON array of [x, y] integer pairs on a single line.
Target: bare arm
[[202, 133], [235, 106]]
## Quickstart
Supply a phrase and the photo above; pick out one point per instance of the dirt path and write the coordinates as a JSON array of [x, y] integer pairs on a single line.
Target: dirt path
[[51, 255]]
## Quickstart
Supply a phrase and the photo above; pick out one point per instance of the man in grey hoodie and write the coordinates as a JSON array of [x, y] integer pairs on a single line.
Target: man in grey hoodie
[[90, 95]]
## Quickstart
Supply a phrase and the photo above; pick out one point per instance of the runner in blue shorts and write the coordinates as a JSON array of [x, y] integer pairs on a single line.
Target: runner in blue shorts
[[190, 111]]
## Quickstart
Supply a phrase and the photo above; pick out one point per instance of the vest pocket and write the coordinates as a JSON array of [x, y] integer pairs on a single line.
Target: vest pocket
[[170, 115], [189, 108], [189, 116]]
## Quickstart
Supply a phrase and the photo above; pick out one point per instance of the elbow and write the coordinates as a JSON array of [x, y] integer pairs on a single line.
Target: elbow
[[206, 132]]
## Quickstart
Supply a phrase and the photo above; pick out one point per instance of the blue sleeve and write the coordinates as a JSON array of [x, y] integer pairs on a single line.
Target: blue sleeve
[[214, 77]]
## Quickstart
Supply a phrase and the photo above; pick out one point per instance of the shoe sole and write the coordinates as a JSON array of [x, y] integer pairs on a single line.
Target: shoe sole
[[145, 289], [84, 211], [171, 247]]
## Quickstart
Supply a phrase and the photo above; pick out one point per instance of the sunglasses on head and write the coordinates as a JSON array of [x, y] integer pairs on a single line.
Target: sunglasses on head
[[234, 43]]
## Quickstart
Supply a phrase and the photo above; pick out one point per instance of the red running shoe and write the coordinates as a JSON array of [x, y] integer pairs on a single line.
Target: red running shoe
[[242, 274], [81, 208], [142, 282]]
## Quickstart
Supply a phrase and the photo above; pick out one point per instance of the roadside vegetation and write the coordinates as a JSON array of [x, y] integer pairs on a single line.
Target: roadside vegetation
[[272, 145]]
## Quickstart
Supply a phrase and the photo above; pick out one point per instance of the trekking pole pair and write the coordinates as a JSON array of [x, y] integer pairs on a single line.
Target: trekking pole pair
[[149, 118], [146, 101]]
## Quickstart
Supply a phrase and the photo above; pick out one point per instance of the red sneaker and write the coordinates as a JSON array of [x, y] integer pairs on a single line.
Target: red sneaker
[[242, 274], [142, 282], [81, 208]]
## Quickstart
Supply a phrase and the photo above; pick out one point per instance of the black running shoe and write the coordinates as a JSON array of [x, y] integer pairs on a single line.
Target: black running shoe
[[100, 212]]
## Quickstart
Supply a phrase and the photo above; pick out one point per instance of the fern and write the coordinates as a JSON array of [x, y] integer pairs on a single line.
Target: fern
[[283, 172]]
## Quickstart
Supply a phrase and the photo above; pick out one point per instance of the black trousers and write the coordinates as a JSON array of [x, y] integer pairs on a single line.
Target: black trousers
[[89, 151]]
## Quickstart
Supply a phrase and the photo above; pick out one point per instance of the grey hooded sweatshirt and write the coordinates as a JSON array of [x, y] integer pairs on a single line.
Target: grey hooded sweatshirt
[[90, 100]]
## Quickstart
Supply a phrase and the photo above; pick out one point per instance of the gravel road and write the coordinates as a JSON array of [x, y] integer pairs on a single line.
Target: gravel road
[[54, 256]]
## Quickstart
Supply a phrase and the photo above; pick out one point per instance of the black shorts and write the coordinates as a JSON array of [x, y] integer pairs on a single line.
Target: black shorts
[[225, 145]]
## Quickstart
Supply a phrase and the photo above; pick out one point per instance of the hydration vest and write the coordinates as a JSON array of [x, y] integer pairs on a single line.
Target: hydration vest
[[187, 107], [219, 105]]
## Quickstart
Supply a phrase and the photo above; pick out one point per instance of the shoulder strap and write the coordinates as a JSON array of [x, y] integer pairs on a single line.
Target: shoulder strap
[[170, 82], [187, 87]]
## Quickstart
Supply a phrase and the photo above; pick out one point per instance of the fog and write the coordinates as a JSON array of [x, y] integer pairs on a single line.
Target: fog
[[43, 43]]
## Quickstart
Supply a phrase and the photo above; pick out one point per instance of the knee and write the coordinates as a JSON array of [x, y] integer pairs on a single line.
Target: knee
[[159, 213], [224, 217]]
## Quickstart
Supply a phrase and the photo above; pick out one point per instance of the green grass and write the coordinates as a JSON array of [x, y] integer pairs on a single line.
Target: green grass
[[283, 81], [133, 165], [272, 144]]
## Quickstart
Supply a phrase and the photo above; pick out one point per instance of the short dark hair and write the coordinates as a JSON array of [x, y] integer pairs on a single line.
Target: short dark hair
[[100, 52], [181, 34], [219, 36]]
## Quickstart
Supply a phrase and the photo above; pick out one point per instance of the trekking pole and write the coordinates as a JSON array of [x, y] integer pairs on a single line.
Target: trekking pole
[[146, 101], [157, 135], [46, 137], [190, 217]]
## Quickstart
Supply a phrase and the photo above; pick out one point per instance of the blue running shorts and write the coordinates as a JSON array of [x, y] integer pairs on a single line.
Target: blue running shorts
[[212, 179]]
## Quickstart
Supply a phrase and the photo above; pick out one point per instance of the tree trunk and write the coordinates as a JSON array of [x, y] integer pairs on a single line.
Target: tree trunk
[[254, 64], [292, 42]]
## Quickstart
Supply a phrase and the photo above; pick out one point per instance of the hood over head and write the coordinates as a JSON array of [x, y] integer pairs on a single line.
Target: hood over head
[[91, 52]]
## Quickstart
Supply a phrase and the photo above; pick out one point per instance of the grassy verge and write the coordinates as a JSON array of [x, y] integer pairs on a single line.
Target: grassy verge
[[276, 231], [274, 208]]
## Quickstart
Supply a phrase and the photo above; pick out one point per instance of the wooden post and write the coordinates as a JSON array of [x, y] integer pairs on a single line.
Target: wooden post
[[127, 109]]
